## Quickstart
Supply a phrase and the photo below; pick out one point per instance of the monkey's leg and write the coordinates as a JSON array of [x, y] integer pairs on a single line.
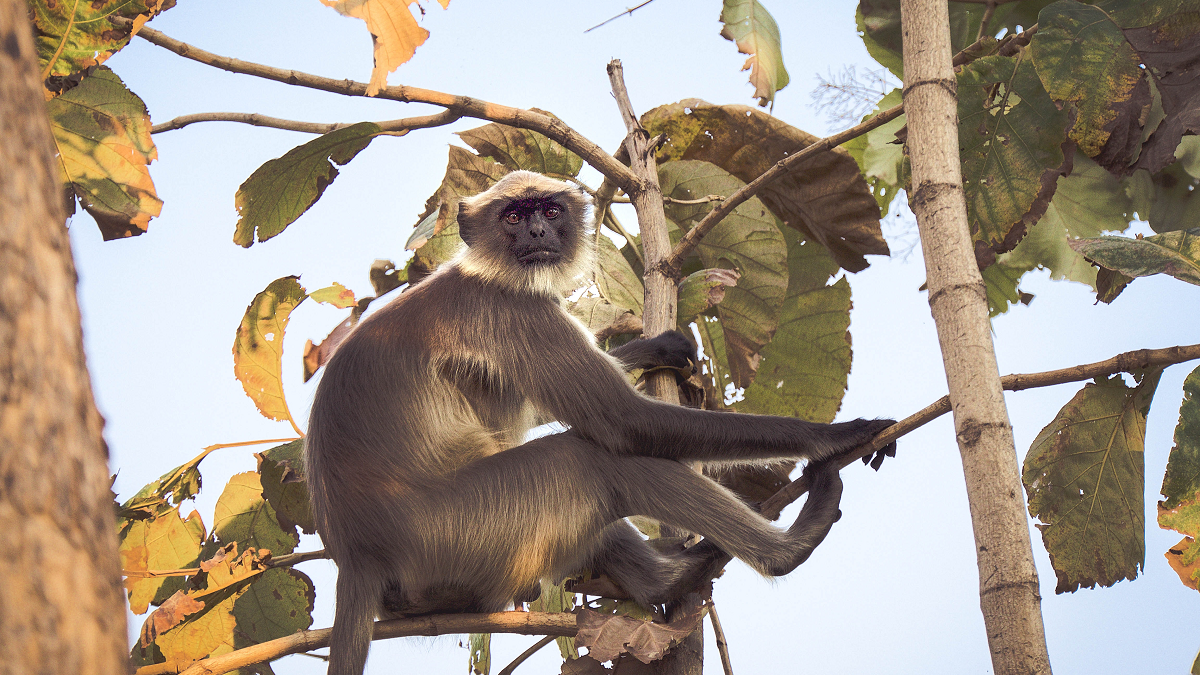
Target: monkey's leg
[[647, 574], [673, 493]]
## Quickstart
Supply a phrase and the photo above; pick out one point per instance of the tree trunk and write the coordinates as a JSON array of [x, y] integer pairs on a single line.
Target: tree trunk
[[659, 311], [1008, 583], [61, 604]]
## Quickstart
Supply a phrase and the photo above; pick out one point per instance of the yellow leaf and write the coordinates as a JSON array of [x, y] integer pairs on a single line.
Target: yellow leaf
[[394, 32]]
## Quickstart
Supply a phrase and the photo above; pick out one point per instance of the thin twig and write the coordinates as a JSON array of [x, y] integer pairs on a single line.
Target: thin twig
[[462, 105], [987, 16], [1121, 363], [524, 623], [398, 127], [671, 200], [526, 654], [719, 634], [631, 10], [297, 558]]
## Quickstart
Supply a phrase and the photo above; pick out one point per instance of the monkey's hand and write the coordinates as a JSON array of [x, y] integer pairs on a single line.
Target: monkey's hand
[[875, 462], [672, 349]]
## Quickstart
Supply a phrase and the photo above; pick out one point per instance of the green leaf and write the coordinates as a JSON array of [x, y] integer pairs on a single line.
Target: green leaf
[[276, 604], [879, 25], [557, 599], [163, 542], [702, 290], [804, 369], [1175, 203], [617, 281], [244, 517], [1173, 253], [1084, 477], [1182, 480], [751, 26], [281, 190], [523, 149], [337, 295], [102, 134], [1085, 62], [281, 471], [71, 36], [258, 346], [385, 278], [825, 198], [881, 156], [714, 369], [748, 240], [1010, 134], [1086, 203], [480, 662]]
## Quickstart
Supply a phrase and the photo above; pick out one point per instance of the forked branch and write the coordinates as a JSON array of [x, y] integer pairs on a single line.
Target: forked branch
[[460, 105]]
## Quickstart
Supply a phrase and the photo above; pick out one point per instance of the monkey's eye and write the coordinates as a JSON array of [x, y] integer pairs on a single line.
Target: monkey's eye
[[552, 212], [513, 218]]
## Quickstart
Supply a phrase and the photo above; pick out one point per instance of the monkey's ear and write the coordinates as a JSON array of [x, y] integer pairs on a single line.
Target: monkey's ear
[[468, 228]]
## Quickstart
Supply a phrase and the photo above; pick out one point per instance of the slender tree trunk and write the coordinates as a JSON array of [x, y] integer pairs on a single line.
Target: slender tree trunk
[[660, 308], [61, 605], [1008, 582]]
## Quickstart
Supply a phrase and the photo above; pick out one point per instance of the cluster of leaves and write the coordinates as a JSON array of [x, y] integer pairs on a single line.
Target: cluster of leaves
[[1071, 136], [216, 591]]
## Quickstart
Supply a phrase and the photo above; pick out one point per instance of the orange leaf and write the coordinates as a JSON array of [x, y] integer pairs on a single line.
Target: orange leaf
[[394, 32]]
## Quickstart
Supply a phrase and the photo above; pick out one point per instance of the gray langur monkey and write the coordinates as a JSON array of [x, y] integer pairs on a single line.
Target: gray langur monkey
[[427, 498]]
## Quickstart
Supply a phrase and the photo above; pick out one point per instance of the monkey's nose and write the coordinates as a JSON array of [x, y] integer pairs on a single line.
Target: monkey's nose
[[537, 231]]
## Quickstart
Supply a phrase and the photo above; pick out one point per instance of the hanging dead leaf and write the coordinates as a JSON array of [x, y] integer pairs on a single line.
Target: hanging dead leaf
[[394, 32]]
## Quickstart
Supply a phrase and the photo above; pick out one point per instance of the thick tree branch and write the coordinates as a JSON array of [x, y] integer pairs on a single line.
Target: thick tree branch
[[524, 623], [461, 105], [673, 263], [397, 127]]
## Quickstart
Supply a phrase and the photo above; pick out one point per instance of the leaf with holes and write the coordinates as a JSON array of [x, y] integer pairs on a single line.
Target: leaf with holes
[[102, 133], [243, 517], [1010, 136], [1086, 64], [162, 542], [1084, 477], [804, 369], [747, 240], [71, 36], [258, 346]]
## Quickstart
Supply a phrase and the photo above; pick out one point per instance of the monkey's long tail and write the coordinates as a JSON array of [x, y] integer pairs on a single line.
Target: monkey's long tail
[[353, 623]]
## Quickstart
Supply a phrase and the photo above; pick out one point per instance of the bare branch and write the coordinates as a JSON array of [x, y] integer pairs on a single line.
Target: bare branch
[[1121, 363], [397, 127], [526, 654], [297, 558], [524, 623], [631, 10], [719, 634], [461, 105]]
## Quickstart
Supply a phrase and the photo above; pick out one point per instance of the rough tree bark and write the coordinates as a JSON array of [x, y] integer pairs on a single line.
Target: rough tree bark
[[1008, 582], [660, 308], [61, 604]]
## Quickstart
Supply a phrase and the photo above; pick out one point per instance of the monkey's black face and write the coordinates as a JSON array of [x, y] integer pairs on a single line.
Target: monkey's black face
[[535, 230]]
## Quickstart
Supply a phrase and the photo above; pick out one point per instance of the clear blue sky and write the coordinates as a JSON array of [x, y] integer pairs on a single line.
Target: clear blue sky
[[893, 589]]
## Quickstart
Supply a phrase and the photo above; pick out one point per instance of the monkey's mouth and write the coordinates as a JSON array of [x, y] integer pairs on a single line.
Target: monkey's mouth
[[539, 257]]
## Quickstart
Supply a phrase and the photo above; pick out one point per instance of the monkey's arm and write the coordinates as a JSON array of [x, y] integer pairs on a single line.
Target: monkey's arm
[[567, 378]]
